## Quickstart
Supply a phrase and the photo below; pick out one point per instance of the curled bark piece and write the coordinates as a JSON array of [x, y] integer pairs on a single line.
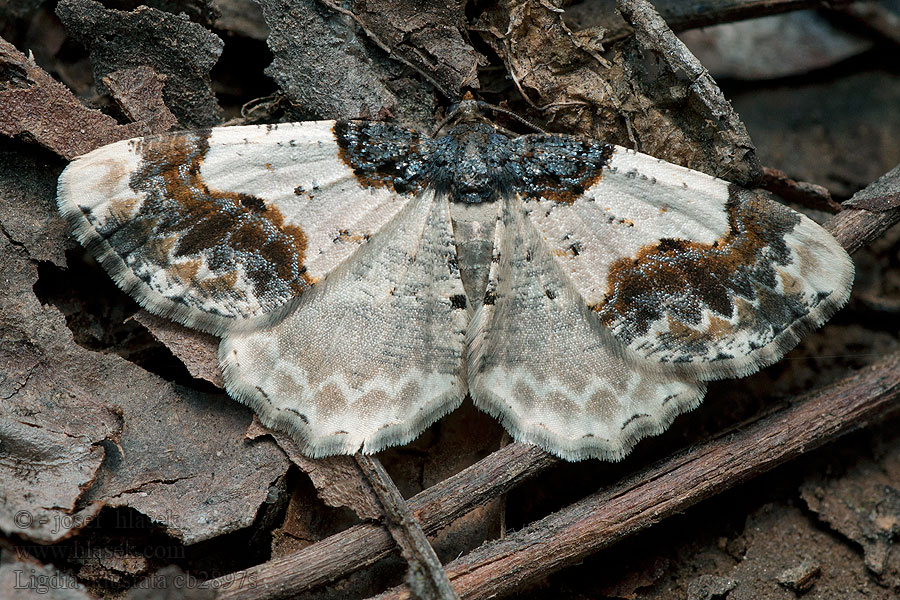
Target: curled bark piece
[[328, 69], [734, 150], [37, 108], [174, 46], [338, 480], [430, 38], [139, 93]]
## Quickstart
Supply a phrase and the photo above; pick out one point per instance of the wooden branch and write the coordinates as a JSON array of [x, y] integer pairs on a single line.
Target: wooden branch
[[439, 505], [498, 568], [684, 15], [856, 228], [363, 545], [803, 193], [681, 15], [426, 577]]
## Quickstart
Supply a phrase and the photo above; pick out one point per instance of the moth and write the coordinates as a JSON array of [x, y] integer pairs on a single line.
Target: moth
[[364, 277]]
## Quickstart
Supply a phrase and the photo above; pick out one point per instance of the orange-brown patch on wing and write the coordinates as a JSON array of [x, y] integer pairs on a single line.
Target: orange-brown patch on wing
[[109, 183], [195, 215], [789, 283], [806, 256], [159, 249], [568, 195], [680, 331], [717, 328], [251, 235], [218, 285], [746, 313], [700, 276], [345, 235], [121, 209], [186, 271]]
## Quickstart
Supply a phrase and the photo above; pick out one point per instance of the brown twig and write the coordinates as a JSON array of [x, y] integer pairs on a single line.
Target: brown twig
[[803, 193], [599, 520], [363, 545], [856, 228], [682, 15], [426, 579]]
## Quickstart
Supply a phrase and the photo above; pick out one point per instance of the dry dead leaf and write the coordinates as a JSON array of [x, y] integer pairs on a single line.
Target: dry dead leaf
[[338, 480], [327, 67], [196, 349]]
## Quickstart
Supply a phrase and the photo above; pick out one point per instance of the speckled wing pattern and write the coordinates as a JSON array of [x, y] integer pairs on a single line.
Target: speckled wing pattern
[[218, 229], [364, 277], [547, 367], [697, 275], [370, 356]]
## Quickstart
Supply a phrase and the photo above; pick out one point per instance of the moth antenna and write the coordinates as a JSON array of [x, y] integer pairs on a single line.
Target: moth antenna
[[487, 105], [470, 106], [451, 114]]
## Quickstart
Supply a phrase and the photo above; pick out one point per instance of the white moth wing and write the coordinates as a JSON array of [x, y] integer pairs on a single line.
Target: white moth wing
[[219, 229], [371, 356], [637, 200], [305, 178], [691, 273], [542, 362]]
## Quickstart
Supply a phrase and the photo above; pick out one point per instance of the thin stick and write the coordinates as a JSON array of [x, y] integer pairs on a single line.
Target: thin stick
[[804, 193], [426, 577], [681, 15], [363, 545], [856, 228]]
